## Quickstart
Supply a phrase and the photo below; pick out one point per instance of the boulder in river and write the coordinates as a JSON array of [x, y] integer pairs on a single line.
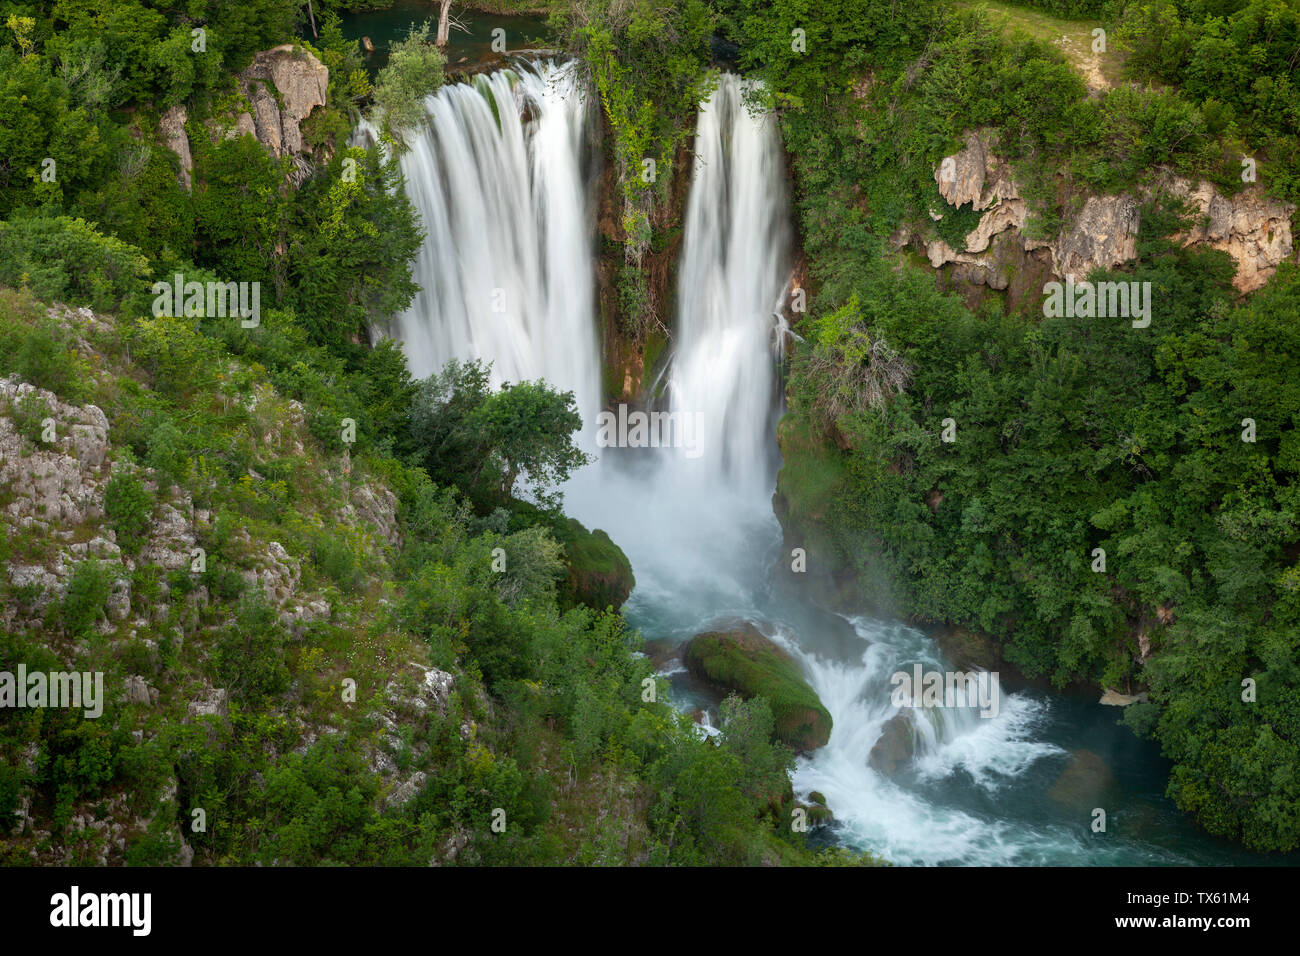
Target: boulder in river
[[895, 746], [1083, 782], [745, 661], [1113, 698]]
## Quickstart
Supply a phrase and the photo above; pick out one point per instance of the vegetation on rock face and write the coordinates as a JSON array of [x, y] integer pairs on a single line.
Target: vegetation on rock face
[[750, 664], [648, 63]]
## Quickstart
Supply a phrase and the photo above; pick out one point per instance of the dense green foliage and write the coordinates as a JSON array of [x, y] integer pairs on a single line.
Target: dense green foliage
[[1071, 434], [483, 441], [87, 176], [1238, 61], [414, 70], [1076, 434]]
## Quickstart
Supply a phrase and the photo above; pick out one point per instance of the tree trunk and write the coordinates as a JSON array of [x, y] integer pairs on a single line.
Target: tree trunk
[[312, 14], [444, 23]]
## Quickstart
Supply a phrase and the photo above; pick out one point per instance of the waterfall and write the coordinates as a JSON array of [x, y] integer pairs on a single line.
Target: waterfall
[[731, 281], [505, 269], [689, 523]]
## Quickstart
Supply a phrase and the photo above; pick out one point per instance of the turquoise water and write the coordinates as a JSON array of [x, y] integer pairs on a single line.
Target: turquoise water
[[996, 793]]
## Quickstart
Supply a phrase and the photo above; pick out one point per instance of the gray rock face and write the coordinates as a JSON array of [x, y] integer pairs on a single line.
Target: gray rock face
[[1252, 227], [407, 790], [295, 619], [283, 88], [171, 537], [433, 690], [215, 704], [54, 482], [138, 691], [172, 128], [376, 506], [276, 573]]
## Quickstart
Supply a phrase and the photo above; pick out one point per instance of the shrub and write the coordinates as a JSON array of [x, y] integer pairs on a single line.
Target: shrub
[[87, 593], [129, 509], [248, 659], [167, 451], [414, 71], [46, 358], [69, 260]]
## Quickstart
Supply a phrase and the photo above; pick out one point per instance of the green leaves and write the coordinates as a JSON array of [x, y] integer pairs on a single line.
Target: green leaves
[[484, 441], [414, 70], [129, 509]]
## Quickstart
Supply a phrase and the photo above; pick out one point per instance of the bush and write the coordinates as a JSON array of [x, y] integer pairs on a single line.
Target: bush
[[414, 71], [44, 356], [83, 603], [129, 509], [69, 260], [248, 660], [168, 453], [29, 414]]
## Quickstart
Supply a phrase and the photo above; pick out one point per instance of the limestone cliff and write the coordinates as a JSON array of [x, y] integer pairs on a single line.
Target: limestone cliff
[[1251, 226], [280, 88]]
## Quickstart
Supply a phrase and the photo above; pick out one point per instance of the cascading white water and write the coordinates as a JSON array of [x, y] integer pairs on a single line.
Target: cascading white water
[[688, 524], [732, 274], [505, 267]]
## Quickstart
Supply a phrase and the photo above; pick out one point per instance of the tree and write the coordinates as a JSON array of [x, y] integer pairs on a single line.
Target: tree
[[484, 441], [414, 70], [529, 428], [444, 23]]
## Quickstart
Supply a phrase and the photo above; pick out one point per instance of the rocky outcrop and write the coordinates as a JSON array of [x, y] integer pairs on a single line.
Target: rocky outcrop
[[214, 703], [276, 573], [283, 86], [1251, 226], [1113, 698], [1103, 235], [172, 128], [965, 649], [57, 481]]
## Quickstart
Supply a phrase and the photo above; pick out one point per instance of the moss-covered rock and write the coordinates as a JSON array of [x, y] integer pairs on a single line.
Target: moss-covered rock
[[744, 661], [599, 573]]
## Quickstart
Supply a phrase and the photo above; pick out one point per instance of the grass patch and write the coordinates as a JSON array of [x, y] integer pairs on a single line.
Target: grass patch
[[1072, 37]]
